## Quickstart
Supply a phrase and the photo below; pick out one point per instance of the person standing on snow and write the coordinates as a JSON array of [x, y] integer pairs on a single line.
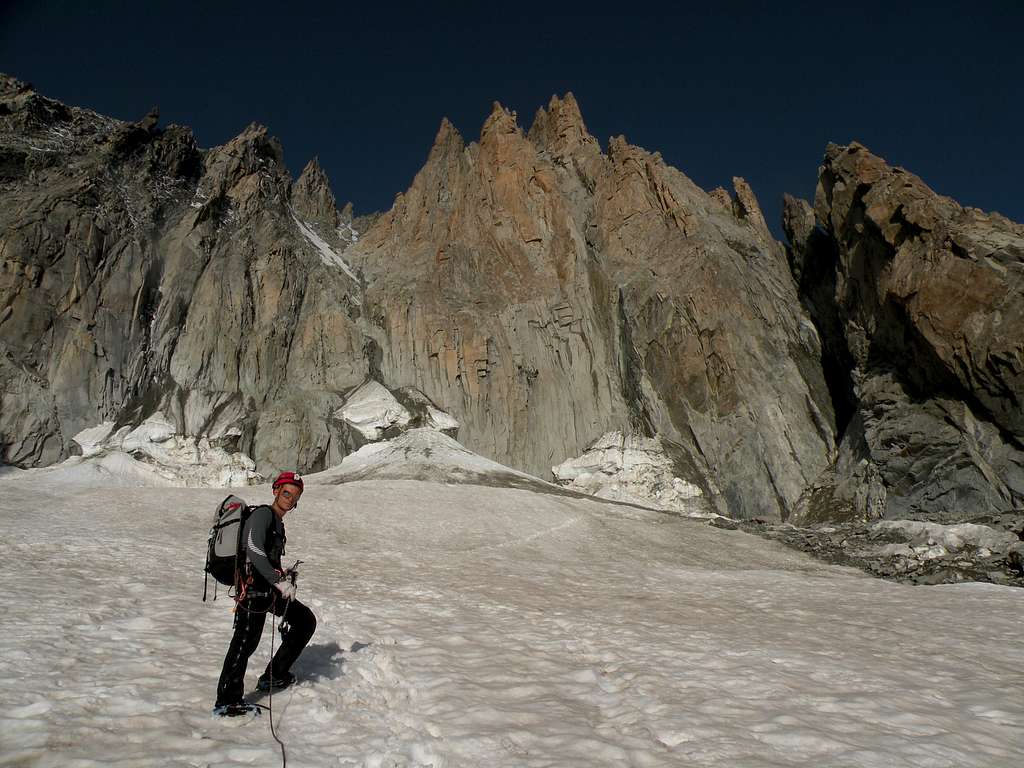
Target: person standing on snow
[[266, 589]]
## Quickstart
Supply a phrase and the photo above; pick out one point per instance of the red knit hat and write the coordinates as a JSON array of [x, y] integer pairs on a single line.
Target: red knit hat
[[288, 478]]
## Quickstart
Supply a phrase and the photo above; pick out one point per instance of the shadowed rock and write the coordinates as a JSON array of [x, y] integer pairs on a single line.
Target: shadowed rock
[[921, 308]]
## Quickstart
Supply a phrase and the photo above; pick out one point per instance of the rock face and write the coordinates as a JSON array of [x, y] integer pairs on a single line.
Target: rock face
[[920, 304], [141, 274], [546, 293], [540, 291]]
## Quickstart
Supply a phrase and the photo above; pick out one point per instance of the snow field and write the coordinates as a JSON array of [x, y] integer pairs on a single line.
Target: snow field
[[471, 626]]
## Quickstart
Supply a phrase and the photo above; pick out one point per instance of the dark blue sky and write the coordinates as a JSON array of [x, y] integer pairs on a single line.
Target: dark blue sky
[[749, 90]]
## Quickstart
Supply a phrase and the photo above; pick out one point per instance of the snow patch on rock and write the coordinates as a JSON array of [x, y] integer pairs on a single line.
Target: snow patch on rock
[[376, 413], [439, 420], [371, 409], [327, 254], [151, 454], [91, 440], [634, 470], [347, 232]]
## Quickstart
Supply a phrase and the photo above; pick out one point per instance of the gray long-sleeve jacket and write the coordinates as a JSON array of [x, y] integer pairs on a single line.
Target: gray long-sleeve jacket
[[264, 543]]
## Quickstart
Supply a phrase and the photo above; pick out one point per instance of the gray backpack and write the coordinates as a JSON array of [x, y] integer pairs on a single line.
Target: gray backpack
[[225, 552]]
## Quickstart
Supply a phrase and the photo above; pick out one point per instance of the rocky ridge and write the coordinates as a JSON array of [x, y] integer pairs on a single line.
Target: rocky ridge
[[539, 290], [530, 292], [920, 304], [142, 274]]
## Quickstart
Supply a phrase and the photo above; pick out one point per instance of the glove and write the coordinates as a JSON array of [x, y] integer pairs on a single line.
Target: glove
[[286, 588]]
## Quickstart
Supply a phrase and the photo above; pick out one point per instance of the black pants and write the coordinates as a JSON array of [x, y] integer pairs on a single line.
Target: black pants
[[250, 616]]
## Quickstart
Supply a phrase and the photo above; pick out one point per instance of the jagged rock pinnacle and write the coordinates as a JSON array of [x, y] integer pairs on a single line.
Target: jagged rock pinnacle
[[311, 196], [500, 121], [748, 209], [151, 120], [447, 141], [560, 128]]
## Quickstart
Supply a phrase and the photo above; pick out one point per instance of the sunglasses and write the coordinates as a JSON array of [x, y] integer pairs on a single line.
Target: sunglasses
[[289, 494]]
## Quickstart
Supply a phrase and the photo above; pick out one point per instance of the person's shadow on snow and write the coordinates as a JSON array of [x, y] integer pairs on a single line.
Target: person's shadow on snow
[[324, 661]]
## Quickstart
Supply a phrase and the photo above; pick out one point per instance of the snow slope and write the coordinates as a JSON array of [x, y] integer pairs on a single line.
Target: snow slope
[[426, 454], [474, 625]]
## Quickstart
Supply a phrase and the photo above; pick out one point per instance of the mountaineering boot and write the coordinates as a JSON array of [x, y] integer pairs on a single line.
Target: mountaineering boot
[[267, 681], [237, 709]]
